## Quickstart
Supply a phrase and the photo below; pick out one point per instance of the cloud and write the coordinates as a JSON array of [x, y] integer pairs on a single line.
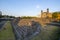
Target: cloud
[[37, 6]]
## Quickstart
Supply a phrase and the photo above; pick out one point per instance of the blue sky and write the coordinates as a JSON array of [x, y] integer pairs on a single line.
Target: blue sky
[[28, 7]]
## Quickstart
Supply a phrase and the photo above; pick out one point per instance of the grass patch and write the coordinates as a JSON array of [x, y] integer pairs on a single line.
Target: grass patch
[[7, 33], [50, 33]]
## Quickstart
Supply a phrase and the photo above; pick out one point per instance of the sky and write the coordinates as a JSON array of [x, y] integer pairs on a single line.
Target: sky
[[28, 7]]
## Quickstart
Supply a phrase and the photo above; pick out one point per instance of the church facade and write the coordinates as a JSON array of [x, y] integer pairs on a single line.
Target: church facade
[[46, 14]]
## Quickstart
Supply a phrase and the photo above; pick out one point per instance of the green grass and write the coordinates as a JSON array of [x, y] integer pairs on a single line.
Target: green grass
[[51, 33], [7, 32]]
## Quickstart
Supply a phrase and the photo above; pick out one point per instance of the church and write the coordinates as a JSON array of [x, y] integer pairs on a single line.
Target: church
[[46, 14]]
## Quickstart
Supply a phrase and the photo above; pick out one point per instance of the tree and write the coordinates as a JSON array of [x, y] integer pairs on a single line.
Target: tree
[[56, 16], [0, 14]]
